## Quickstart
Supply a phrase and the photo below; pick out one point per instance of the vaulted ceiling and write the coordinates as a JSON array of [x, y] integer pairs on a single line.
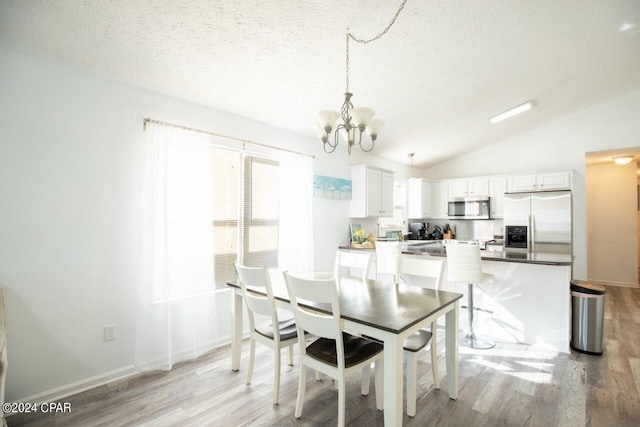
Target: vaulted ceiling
[[435, 78]]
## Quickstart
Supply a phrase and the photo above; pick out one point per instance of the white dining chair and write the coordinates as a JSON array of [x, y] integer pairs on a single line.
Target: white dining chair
[[335, 353], [464, 265], [387, 254], [277, 333], [424, 271], [346, 260]]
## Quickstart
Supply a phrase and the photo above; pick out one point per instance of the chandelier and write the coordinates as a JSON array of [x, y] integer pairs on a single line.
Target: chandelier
[[354, 120]]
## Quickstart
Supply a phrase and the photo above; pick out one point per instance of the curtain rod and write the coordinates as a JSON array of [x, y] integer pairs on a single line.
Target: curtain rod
[[244, 141]]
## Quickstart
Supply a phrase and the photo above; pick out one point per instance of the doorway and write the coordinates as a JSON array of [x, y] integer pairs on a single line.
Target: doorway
[[613, 218]]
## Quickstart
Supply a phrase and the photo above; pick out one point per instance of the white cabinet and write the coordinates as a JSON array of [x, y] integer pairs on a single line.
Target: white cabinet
[[419, 199], [371, 192], [440, 194], [468, 187], [540, 182], [554, 181], [497, 187]]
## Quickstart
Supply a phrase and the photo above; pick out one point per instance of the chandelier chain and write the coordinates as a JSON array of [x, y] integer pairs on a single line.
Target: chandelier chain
[[354, 38], [363, 41], [347, 89]]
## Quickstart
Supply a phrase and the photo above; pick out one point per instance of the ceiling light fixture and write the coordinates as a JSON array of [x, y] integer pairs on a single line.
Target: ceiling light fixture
[[512, 112], [355, 120], [623, 160]]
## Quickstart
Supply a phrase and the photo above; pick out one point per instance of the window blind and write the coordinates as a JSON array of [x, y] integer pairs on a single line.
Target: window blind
[[260, 212], [225, 201]]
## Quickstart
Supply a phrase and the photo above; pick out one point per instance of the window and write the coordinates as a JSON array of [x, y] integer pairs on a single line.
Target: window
[[207, 203], [248, 199]]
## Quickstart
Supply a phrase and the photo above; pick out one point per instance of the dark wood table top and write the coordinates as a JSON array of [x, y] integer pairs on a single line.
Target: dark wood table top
[[381, 304]]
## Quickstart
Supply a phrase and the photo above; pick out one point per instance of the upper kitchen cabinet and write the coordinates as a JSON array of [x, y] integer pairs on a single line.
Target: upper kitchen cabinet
[[468, 187], [419, 199], [372, 192], [440, 194], [497, 187], [539, 182]]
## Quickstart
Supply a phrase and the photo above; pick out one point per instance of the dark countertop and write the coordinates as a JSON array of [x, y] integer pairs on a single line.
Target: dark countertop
[[436, 248]]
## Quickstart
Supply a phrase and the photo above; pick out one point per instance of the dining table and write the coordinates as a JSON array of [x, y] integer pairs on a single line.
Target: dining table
[[383, 310]]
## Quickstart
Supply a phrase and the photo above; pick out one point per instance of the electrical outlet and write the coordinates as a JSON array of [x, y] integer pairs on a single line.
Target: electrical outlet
[[109, 333]]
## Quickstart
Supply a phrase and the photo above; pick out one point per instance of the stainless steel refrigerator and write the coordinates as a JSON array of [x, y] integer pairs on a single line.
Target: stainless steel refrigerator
[[538, 222]]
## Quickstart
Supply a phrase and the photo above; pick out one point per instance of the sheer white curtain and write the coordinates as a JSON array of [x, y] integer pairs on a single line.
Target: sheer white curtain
[[295, 240], [176, 316]]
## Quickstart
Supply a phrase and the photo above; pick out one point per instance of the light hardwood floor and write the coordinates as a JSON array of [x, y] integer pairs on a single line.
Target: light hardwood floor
[[510, 385]]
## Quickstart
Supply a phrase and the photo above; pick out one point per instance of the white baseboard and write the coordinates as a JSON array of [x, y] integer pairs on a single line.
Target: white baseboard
[[66, 390], [621, 284]]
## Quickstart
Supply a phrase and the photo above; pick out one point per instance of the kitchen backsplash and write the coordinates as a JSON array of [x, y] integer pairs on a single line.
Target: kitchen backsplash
[[463, 229]]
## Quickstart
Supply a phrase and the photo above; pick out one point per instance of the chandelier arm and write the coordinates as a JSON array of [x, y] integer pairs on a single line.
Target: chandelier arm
[[373, 142], [336, 135], [333, 147]]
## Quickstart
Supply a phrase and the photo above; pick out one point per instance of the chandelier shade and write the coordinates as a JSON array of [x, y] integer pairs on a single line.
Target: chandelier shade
[[362, 115], [374, 127], [328, 119]]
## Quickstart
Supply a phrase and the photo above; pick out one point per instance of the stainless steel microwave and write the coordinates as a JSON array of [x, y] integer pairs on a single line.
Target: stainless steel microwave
[[469, 208]]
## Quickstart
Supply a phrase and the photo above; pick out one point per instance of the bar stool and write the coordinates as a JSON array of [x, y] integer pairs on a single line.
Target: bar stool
[[465, 265]]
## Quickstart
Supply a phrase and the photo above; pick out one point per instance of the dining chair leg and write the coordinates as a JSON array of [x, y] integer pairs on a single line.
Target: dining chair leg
[[301, 388], [434, 357], [412, 373], [276, 379], [365, 381], [379, 383], [341, 402], [290, 355], [252, 355]]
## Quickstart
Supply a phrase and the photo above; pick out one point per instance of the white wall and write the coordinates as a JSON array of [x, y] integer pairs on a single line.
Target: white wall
[[559, 145], [612, 231]]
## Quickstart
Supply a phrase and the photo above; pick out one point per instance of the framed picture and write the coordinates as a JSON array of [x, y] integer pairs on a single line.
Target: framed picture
[[331, 188]]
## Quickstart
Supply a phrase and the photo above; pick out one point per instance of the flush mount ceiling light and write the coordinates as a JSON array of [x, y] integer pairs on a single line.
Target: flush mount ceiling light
[[355, 120], [512, 112], [623, 160]]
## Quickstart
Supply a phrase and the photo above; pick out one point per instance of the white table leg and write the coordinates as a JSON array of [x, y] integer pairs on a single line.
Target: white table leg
[[393, 378], [236, 330], [451, 356]]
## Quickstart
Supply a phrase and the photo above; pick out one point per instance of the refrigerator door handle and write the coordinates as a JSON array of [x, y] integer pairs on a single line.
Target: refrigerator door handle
[[532, 231]]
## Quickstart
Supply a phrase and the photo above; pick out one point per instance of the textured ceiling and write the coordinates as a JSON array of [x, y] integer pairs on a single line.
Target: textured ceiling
[[435, 78]]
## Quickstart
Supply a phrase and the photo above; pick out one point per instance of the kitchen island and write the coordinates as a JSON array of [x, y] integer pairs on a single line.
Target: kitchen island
[[527, 301]]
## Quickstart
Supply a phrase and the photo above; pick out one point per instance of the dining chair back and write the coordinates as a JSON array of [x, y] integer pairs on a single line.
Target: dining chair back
[[430, 269], [464, 265], [316, 307], [278, 332], [347, 261], [425, 267], [387, 256]]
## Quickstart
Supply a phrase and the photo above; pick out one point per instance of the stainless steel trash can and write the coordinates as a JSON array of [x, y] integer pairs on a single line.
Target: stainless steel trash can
[[587, 317]]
